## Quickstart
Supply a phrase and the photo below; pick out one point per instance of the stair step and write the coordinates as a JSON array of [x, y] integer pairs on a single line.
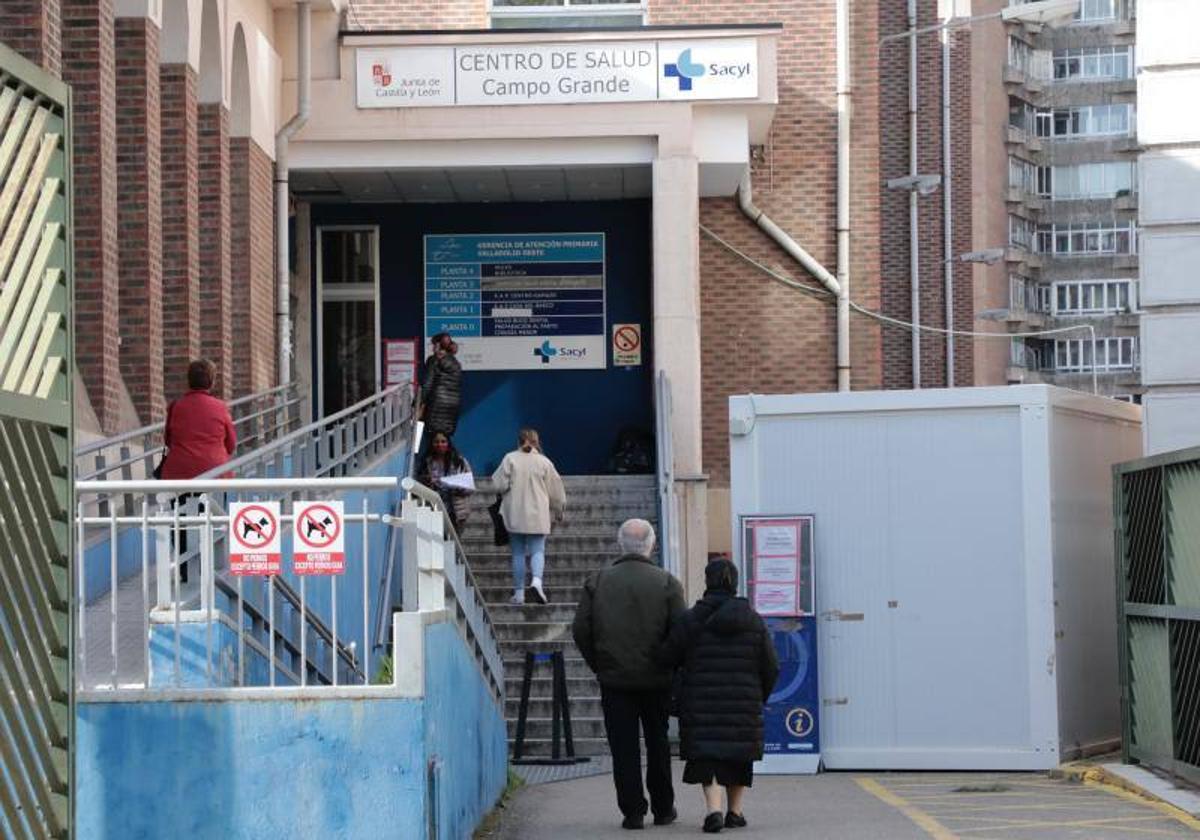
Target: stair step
[[541, 747], [543, 707], [533, 631], [543, 727], [497, 596], [573, 664], [543, 686], [506, 613]]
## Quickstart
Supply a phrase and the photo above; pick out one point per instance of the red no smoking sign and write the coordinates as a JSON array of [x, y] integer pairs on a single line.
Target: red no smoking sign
[[254, 538], [319, 538], [627, 344]]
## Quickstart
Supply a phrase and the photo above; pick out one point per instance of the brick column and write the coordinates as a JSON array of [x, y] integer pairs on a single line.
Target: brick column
[[215, 294], [139, 215], [89, 67], [252, 240], [180, 229], [34, 29]]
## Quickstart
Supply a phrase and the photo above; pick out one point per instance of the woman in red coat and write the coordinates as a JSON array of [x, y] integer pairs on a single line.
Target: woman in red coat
[[199, 434]]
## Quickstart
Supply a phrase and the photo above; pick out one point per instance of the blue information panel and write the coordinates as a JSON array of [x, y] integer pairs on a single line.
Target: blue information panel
[[518, 301], [778, 559]]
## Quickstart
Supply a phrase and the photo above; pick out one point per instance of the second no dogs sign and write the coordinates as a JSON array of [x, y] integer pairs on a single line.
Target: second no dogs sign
[[319, 538]]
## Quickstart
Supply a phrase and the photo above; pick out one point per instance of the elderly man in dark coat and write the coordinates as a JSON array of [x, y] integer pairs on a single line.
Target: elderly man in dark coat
[[441, 392], [729, 668], [624, 613]]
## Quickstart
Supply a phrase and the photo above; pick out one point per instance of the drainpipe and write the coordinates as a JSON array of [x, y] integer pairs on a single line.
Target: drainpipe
[[947, 207], [914, 255], [303, 107], [810, 264], [843, 194]]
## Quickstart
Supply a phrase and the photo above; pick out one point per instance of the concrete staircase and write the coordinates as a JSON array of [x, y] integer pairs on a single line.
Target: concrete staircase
[[585, 541]]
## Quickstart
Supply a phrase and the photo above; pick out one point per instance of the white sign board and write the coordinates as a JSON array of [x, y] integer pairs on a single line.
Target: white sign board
[[627, 345], [550, 74], [319, 541], [254, 538]]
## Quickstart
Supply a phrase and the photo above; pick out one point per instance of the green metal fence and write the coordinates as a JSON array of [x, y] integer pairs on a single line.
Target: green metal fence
[[1158, 584], [36, 714]]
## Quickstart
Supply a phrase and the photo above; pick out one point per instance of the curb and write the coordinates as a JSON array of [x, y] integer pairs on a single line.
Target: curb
[[1097, 775]]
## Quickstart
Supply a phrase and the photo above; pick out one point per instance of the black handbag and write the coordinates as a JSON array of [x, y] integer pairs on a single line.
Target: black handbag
[[499, 530]]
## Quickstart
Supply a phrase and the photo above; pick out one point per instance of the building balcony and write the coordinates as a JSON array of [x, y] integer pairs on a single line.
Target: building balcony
[[1020, 137]]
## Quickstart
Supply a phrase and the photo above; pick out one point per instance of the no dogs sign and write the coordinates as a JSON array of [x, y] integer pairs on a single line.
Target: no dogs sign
[[319, 539], [254, 538]]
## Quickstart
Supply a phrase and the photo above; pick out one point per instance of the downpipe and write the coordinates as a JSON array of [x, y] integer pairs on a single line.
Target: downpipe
[[284, 135], [947, 208], [914, 254]]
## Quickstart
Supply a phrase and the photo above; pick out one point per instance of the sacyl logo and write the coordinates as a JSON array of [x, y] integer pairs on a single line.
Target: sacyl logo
[[684, 69], [548, 351]]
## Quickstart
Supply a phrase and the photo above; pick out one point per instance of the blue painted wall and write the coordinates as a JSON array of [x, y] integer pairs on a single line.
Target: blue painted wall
[[296, 769], [579, 413]]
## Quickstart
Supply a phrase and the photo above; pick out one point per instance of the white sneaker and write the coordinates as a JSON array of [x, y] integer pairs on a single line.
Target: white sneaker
[[518, 599], [538, 594]]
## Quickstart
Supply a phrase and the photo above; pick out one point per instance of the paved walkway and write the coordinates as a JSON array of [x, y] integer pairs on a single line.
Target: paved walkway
[[865, 806]]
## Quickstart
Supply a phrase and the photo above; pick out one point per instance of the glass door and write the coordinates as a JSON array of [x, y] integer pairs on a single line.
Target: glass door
[[347, 315]]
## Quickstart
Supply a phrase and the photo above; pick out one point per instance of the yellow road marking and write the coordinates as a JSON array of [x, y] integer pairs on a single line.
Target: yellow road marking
[[923, 820], [1162, 807], [1039, 806], [1008, 825]]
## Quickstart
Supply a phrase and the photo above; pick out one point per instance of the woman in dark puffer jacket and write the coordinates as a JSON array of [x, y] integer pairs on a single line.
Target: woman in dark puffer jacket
[[729, 668]]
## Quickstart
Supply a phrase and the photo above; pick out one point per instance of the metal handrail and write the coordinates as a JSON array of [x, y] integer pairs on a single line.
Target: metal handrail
[[105, 443], [431, 497], [666, 476], [311, 431]]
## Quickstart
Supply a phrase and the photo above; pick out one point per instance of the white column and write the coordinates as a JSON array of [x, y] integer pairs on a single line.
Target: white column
[[677, 340]]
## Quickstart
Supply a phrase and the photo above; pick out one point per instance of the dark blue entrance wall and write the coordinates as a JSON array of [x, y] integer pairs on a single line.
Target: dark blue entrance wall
[[578, 413]]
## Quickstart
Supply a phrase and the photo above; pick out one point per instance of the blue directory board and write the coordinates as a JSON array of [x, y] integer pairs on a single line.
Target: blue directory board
[[518, 301]]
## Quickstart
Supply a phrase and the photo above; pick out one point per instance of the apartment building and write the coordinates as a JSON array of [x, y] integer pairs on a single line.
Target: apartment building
[[1064, 165]]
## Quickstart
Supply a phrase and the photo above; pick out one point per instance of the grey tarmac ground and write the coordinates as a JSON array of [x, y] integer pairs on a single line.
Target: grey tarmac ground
[[863, 806]]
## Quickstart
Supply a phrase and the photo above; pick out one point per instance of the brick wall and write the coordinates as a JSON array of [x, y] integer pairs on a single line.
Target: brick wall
[[758, 335], [88, 42], [894, 144], [180, 229], [216, 341], [34, 29], [252, 249], [424, 14], [139, 217]]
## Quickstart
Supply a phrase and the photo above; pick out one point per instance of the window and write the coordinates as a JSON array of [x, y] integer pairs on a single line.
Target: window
[[1021, 232], [1021, 115], [1092, 297], [1022, 175], [1087, 180], [1020, 55], [1135, 399], [1085, 239], [1097, 10], [1085, 121], [553, 14], [1092, 63], [348, 318], [1076, 355]]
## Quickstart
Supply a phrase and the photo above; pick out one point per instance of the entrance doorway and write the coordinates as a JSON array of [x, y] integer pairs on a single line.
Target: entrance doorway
[[347, 315]]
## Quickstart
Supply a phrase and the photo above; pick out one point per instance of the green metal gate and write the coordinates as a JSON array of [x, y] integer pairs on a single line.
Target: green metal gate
[[36, 426], [1158, 584]]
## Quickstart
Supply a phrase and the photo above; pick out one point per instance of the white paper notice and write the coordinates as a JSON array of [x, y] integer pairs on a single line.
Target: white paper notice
[[776, 570], [775, 541], [461, 481], [776, 599]]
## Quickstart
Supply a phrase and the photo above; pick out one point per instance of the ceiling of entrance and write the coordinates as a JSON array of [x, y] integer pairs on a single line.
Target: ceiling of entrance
[[494, 184]]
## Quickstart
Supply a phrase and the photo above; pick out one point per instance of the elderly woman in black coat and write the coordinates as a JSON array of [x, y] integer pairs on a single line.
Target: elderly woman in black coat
[[728, 667]]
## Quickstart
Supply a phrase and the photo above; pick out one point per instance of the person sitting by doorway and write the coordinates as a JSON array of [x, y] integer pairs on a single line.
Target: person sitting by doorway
[[442, 462]]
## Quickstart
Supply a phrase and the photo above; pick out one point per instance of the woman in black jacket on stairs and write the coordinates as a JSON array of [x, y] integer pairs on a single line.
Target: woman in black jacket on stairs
[[728, 667]]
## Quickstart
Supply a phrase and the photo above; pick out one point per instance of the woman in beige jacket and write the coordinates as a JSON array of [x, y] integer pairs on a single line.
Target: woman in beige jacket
[[532, 491]]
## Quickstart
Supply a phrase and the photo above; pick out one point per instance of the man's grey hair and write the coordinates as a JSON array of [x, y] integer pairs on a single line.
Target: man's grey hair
[[636, 536]]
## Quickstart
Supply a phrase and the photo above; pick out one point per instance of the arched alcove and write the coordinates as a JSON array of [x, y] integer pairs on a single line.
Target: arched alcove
[[211, 58], [239, 95]]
